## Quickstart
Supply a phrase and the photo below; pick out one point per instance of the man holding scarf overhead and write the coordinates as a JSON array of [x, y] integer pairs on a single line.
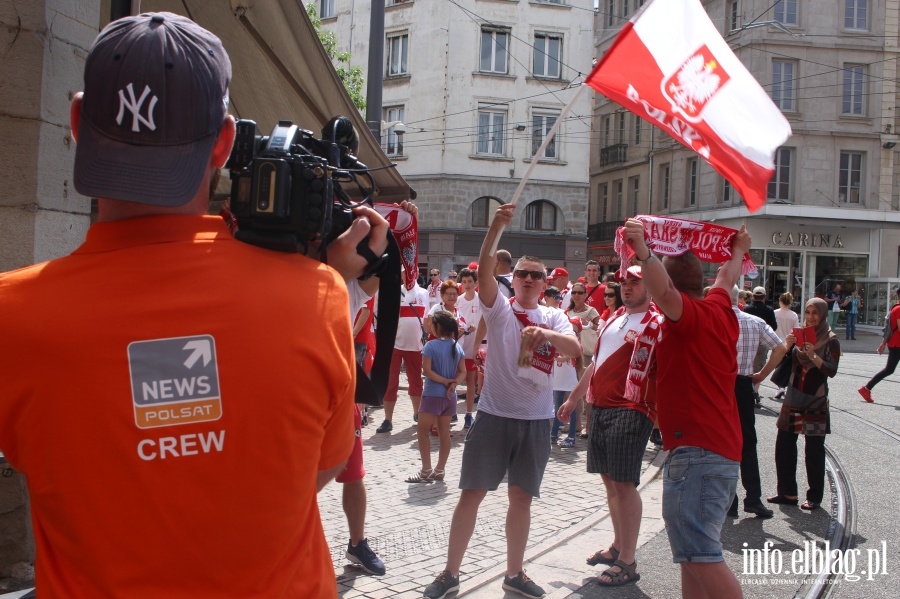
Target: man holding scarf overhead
[[698, 418], [512, 428]]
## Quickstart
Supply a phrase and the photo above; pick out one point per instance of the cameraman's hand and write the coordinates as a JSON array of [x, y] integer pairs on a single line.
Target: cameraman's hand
[[342, 254]]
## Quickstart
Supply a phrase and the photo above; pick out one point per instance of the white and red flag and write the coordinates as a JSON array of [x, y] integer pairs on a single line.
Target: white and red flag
[[670, 66]]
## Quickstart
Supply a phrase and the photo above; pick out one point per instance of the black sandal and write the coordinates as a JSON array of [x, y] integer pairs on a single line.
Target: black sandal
[[598, 558], [625, 575]]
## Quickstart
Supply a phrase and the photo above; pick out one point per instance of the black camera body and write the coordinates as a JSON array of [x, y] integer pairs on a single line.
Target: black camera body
[[285, 188]]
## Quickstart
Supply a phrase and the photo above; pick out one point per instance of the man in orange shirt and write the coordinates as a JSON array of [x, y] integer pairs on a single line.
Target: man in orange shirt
[[173, 420]]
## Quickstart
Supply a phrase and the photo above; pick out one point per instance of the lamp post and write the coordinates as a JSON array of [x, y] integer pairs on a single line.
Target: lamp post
[[396, 128]]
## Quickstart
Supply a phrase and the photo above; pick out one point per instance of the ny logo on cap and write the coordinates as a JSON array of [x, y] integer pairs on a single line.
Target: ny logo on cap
[[134, 105]]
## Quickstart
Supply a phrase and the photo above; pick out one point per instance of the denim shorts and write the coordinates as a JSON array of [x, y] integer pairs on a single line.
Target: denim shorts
[[698, 488]]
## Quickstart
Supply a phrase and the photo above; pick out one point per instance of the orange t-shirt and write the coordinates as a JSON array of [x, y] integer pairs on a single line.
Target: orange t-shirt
[[170, 400]]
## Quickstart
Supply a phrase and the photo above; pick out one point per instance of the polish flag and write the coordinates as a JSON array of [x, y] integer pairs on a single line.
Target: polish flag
[[670, 66]]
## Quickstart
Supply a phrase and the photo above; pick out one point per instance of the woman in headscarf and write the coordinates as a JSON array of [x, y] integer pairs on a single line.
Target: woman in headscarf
[[805, 409]]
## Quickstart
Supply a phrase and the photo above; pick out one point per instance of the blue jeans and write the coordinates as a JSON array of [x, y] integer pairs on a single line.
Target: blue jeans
[[851, 325], [559, 398], [698, 488]]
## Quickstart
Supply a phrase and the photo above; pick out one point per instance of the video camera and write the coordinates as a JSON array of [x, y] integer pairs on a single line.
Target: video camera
[[286, 187]]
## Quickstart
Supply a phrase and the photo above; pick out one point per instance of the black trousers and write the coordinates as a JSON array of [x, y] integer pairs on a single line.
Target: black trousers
[[893, 360], [743, 393], [786, 465]]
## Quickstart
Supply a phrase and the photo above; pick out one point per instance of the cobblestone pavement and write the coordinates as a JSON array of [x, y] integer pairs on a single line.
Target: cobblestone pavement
[[408, 524]]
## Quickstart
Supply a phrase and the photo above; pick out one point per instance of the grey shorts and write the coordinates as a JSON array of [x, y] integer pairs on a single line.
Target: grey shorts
[[497, 446], [617, 442]]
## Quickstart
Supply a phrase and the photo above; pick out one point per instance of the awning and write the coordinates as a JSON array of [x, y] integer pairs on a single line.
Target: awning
[[281, 72]]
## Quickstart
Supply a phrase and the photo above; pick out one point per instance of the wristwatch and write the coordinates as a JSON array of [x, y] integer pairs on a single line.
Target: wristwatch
[[646, 260]]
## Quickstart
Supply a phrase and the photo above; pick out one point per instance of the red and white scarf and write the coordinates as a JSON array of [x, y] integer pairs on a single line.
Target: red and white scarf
[[641, 355], [674, 236], [542, 358]]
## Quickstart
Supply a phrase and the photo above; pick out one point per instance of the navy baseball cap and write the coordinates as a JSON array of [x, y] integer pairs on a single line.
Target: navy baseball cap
[[155, 96]]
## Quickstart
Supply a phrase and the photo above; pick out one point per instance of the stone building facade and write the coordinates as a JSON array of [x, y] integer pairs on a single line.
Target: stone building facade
[[478, 84], [833, 209]]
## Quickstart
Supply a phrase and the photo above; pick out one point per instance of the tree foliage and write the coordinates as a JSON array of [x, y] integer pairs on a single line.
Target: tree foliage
[[350, 76]]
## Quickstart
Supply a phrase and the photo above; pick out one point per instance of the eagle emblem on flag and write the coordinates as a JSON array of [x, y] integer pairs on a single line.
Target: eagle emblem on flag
[[694, 84]]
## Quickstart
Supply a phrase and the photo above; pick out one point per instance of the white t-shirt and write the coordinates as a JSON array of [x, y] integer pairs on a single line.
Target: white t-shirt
[[614, 335], [434, 294], [409, 329], [505, 393], [504, 290], [358, 297], [469, 314], [565, 376], [787, 319]]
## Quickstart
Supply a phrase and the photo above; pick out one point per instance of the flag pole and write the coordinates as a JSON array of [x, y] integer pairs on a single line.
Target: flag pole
[[562, 116]]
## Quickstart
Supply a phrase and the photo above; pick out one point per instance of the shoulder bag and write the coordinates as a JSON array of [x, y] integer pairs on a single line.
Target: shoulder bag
[[781, 376]]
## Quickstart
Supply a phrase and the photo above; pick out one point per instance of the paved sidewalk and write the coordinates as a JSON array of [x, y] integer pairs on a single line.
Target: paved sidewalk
[[408, 524]]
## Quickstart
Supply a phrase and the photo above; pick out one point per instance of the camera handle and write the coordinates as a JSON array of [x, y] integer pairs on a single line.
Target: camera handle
[[376, 263]]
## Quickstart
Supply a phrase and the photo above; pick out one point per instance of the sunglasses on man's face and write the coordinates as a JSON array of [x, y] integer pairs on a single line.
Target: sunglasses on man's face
[[555, 297], [434, 274], [536, 275]]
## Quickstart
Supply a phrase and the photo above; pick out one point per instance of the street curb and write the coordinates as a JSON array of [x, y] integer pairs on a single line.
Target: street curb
[[549, 545]]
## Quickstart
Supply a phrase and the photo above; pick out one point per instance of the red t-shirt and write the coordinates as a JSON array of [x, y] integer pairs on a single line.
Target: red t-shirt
[[609, 379], [595, 299], [894, 341], [696, 370], [171, 394]]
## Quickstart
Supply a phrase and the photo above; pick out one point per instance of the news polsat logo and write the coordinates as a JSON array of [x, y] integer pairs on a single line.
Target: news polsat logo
[[174, 381]]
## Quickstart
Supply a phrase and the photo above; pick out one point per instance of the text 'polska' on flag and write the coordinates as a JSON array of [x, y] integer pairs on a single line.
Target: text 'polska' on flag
[[670, 66]]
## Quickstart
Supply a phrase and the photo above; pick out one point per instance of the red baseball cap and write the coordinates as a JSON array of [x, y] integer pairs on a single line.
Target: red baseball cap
[[633, 271], [559, 272]]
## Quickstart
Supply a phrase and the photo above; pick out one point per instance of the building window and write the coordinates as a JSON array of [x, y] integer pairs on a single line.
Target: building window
[[491, 132], [727, 191], [604, 201], [607, 129], [483, 211], [733, 16], [664, 186], [398, 50], [856, 14], [853, 89], [692, 181], [850, 177], [393, 143], [637, 129], [540, 216], [540, 127], [780, 186], [624, 8], [634, 185], [618, 187], [326, 9], [610, 13], [786, 12], [620, 127], [494, 44], [547, 55], [784, 82]]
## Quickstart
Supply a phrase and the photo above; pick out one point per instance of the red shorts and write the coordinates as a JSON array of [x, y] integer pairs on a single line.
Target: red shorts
[[354, 470], [471, 366]]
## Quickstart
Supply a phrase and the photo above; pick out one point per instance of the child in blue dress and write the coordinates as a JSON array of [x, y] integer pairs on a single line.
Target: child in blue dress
[[443, 363]]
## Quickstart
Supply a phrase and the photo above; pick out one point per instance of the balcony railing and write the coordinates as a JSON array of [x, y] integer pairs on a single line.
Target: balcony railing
[[599, 232], [613, 154]]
